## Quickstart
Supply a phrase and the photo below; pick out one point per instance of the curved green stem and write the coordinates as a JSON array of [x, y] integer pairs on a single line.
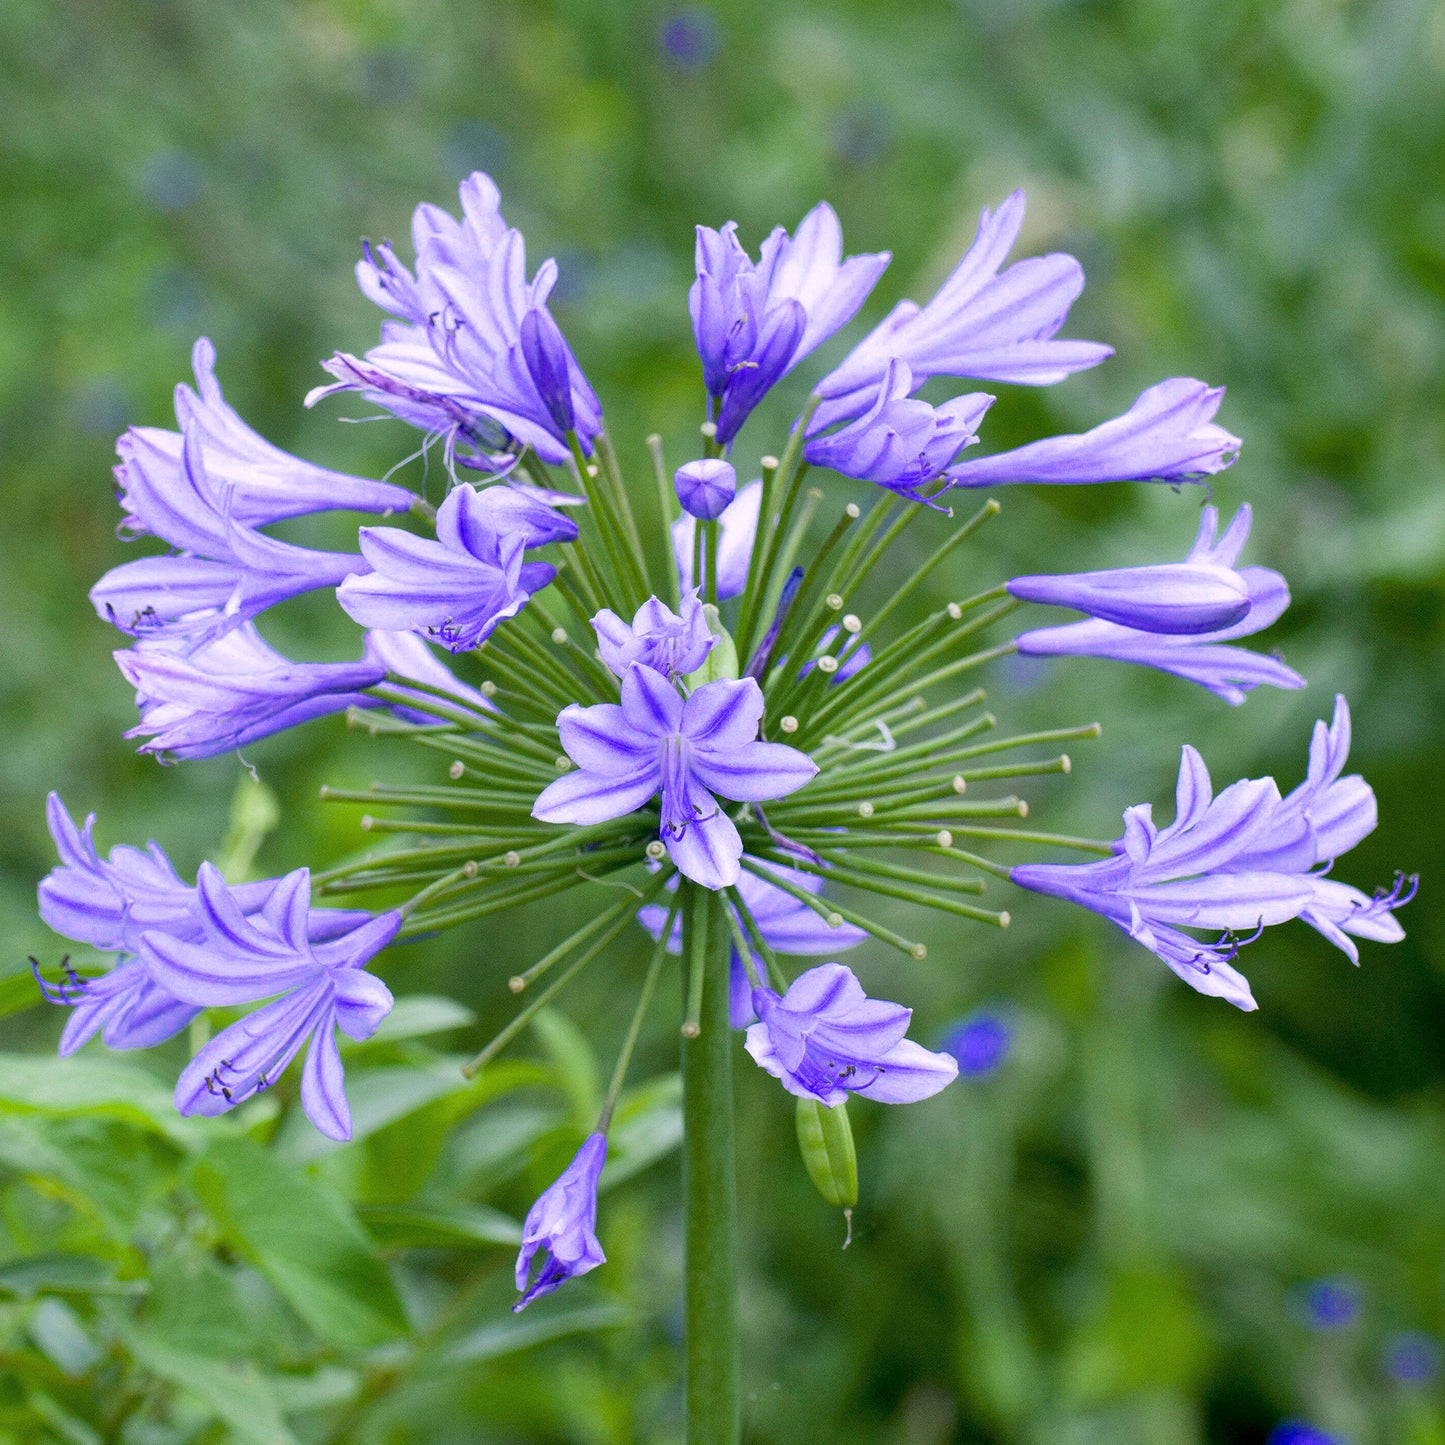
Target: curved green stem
[[709, 1191]]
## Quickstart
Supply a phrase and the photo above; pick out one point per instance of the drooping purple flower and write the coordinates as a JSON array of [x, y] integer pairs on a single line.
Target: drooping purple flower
[[1161, 881], [672, 643], [754, 322], [737, 529], [657, 742], [985, 323], [259, 482], [126, 1006], [405, 657], [562, 1226], [226, 572], [706, 488], [1147, 595], [1168, 435], [1323, 818], [898, 443], [825, 1039], [233, 691], [322, 986], [475, 355], [787, 926], [460, 586], [980, 1043]]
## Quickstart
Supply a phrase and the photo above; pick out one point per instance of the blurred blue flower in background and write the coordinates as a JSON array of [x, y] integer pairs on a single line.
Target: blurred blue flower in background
[[1412, 1357], [690, 39], [1332, 1304], [1296, 1432], [980, 1042]]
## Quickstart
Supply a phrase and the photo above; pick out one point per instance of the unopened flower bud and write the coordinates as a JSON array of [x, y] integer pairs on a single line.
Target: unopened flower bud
[[825, 1139], [706, 487]]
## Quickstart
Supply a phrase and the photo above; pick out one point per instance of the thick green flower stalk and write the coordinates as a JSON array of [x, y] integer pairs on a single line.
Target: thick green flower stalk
[[704, 724]]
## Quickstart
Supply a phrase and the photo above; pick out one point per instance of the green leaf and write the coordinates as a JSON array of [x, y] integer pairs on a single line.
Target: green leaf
[[308, 1243], [646, 1127], [65, 1274], [99, 1085], [437, 1226], [573, 1057], [415, 1016], [511, 1333], [59, 1335]]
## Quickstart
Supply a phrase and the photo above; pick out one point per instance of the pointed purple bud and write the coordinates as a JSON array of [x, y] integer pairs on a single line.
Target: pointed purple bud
[[562, 1226], [1177, 598], [706, 488], [547, 361]]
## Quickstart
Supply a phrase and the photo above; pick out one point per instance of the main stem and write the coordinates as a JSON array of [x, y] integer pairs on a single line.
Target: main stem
[[708, 1182]]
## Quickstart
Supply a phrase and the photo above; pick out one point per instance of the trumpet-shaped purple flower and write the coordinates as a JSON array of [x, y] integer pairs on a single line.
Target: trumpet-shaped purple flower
[[562, 1226], [233, 691], [657, 742], [787, 926], [225, 573], [706, 488], [1168, 435], [983, 322], [825, 1039], [737, 530], [1151, 596], [240, 958], [754, 322], [473, 576], [110, 903], [475, 355], [246, 477], [672, 643], [900, 443]]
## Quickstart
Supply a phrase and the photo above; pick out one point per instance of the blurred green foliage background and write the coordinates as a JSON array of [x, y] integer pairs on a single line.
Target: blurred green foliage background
[[1112, 1238]]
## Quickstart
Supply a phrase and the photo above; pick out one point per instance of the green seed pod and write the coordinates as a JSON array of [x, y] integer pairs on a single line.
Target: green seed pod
[[825, 1138]]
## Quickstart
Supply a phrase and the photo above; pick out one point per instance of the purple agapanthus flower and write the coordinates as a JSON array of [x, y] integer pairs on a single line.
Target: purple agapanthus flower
[[225, 573], [900, 443], [260, 482], [754, 322], [737, 530], [706, 488], [475, 355], [686, 749], [233, 691], [787, 925], [1412, 1358], [1151, 596], [110, 904], [1168, 435], [562, 1225], [457, 588], [1161, 881], [1322, 819], [825, 1039], [985, 323], [240, 958], [672, 643]]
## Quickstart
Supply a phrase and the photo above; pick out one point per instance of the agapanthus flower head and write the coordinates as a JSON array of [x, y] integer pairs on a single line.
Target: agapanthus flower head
[[786, 923], [1153, 616], [706, 487], [901, 443], [457, 588], [260, 482], [825, 1039], [755, 321], [1168, 435], [233, 691], [684, 749], [672, 643], [980, 1043], [474, 355], [985, 323], [737, 530], [562, 1226], [316, 980], [225, 572]]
